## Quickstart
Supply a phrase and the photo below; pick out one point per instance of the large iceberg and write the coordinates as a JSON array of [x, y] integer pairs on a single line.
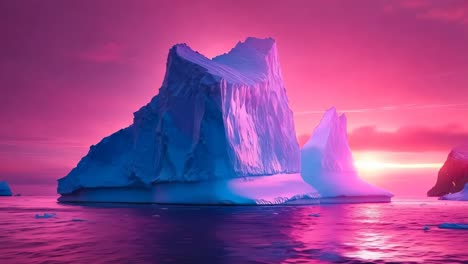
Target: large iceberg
[[458, 196], [454, 173], [215, 123], [5, 189], [327, 164]]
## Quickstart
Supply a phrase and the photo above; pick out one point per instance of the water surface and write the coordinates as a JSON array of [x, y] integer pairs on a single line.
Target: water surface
[[116, 233]]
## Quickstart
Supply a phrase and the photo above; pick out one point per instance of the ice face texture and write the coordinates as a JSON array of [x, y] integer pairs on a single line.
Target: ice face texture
[[213, 119], [458, 196], [327, 162], [454, 173], [5, 189]]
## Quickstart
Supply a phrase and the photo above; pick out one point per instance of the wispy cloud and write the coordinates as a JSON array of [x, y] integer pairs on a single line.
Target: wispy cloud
[[104, 53], [388, 108], [408, 138], [8, 142], [404, 139], [455, 11]]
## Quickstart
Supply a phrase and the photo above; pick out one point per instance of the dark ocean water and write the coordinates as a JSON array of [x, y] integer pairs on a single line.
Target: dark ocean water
[[349, 233]]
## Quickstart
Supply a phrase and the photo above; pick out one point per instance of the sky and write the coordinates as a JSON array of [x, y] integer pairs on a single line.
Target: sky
[[72, 72]]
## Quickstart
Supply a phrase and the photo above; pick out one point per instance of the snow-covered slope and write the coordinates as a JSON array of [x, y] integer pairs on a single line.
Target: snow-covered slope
[[213, 119], [327, 162], [458, 196], [5, 189], [454, 173]]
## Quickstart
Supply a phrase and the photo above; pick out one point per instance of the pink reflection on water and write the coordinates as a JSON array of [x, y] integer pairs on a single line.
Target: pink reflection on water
[[372, 232], [352, 233]]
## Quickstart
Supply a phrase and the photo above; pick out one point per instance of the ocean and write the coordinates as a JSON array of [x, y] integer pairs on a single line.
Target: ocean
[[403, 231]]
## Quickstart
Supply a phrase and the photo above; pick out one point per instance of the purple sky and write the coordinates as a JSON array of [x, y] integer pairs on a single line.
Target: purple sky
[[72, 72]]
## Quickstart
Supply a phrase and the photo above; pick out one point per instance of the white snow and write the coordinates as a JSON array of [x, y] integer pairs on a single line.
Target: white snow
[[327, 164], [458, 196], [5, 189], [266, 190], [213, 119]]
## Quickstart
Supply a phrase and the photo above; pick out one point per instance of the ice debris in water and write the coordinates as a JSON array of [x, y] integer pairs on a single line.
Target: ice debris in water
[[45, 215], [453, 226]]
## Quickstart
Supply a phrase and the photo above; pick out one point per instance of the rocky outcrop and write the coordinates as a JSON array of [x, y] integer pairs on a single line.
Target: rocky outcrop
[[453, 175]]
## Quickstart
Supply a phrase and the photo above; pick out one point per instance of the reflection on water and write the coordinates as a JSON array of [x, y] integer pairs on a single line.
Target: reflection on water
[[355, 233]]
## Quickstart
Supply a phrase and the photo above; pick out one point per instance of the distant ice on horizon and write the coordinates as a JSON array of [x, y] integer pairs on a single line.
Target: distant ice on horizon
[[5, 189]]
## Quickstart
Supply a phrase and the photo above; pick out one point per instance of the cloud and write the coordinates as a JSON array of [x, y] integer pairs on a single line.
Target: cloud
[[455, 11], [452, 14], [389, 108], [104, 53], [404, 139], [414, 3], [408, 139]]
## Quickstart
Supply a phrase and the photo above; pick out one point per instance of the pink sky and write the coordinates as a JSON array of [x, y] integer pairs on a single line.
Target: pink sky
[[72, 72]]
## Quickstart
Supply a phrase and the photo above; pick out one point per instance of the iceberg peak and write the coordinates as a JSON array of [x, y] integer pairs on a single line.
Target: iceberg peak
[[327, 162], [248, 62]]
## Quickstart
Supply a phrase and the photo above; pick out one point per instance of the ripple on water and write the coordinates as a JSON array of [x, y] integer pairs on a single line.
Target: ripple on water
[[358, 233]]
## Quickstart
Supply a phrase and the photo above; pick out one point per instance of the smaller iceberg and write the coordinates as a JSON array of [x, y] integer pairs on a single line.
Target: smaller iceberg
[[5, 189], [458, 196], [327, 164]]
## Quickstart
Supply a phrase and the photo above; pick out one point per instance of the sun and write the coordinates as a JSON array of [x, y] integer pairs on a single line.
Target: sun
[[369, 164], [372, 164]]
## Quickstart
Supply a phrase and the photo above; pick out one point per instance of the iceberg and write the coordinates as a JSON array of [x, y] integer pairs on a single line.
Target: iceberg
[[458, 196], [327, 165], [5, 189], [219, 131], [453, 175]]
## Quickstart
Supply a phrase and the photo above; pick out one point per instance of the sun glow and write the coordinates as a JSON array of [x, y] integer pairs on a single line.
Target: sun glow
[[373, 164]]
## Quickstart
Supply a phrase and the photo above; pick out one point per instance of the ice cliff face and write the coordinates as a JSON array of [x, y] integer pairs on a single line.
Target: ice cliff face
[[5, 189], [454, 173], [327, 162], [213, 119]]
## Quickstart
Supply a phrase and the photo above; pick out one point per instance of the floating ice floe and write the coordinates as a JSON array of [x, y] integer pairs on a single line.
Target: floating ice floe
[[45, 215], [453, 226]]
